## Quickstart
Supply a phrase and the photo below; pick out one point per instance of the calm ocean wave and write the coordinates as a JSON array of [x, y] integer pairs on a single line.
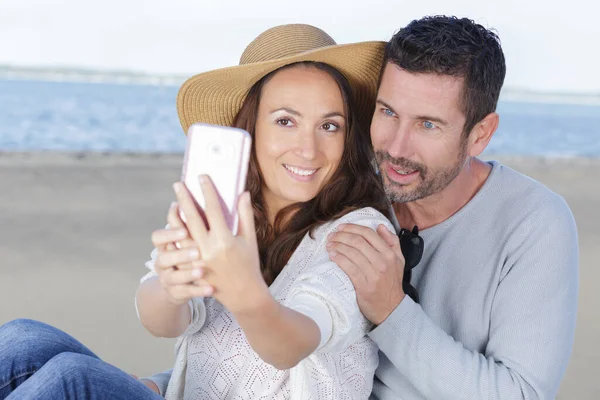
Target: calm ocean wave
[[37, 115]]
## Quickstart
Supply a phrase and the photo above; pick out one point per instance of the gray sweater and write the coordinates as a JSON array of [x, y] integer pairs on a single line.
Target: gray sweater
[[498, 285]]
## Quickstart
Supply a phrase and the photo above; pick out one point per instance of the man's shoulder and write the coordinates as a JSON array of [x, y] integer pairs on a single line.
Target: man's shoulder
[[519, 194]]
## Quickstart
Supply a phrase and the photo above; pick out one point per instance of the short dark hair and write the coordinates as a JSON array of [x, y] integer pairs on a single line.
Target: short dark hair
[[457, 47]]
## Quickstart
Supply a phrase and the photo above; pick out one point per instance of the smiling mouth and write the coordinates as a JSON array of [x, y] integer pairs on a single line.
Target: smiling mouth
[[300, 171], [404, 171]]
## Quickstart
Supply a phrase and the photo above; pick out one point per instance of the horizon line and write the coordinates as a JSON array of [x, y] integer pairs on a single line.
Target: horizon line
[[125, 76]]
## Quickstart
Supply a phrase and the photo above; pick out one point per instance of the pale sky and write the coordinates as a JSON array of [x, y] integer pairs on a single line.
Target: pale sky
[[549, 45]]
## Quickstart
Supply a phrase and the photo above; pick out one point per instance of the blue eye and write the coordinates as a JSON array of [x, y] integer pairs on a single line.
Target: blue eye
[[428, 125], [388, 112]]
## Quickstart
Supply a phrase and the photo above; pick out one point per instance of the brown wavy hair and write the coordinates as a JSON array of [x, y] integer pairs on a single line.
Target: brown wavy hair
[[353, 185]]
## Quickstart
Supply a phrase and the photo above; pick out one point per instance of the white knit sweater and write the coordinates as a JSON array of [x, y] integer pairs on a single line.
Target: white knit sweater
[[215, 361]]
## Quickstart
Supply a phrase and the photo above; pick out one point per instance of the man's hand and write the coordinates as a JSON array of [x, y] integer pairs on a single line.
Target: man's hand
[[374, 263]]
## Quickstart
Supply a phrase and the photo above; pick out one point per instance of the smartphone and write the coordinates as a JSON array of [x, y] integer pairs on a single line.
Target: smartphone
[[222, 153]]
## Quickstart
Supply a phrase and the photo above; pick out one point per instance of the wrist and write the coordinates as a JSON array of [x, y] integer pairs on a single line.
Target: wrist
[[257, 303], [153, 291], [173, 302], [397, 300], [167, 298]]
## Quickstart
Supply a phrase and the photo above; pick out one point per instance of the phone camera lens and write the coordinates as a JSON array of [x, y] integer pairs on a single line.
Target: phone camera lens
[[215, 149], [219, 151]]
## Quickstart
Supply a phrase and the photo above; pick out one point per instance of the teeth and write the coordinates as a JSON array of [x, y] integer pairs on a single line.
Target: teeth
[[298, 171], [403, 172]]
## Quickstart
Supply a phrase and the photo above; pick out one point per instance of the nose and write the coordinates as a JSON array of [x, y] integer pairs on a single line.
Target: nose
[[307, 144], [401, 144]]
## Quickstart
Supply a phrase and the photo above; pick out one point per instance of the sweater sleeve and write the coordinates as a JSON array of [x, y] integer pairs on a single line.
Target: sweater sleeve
[[325, 294], [531, 328]]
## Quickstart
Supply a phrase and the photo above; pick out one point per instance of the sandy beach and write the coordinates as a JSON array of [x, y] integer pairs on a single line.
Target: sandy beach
[[75, 233]]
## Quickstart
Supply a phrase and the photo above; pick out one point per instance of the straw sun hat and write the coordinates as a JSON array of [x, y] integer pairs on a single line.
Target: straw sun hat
[[215, 97]]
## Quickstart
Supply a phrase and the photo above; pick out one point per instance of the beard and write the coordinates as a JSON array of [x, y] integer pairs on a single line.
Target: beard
[[430, 181]]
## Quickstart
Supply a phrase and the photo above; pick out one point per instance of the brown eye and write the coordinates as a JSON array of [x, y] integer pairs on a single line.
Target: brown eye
[[329, 127], [284, 121]]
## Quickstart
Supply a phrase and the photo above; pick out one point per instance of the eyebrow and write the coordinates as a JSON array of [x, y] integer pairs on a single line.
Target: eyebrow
[[288, 110], [420, 117], [296, 113], [334, 114]]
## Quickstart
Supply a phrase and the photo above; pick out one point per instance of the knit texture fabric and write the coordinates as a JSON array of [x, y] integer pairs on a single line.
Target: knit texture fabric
[[498, 286], [215, 361]]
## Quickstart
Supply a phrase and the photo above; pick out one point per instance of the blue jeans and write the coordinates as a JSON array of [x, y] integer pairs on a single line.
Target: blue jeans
[[40, 362]]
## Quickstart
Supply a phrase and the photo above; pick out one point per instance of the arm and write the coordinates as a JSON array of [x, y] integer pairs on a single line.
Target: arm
[[157, 313], [531, 328], [320, 313], [281, 336], [325, 295]]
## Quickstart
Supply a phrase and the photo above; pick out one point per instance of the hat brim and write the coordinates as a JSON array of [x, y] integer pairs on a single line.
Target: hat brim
[[215, 97]]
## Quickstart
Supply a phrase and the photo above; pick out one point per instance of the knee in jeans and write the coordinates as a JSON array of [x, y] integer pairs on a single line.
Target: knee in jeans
[[70, 365], [20, 325], [24, 329]]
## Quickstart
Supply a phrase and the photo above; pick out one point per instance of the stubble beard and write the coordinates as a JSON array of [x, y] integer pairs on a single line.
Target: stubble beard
[[430, 181]]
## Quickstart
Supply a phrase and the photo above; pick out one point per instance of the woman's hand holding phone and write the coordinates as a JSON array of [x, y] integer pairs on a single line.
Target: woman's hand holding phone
[[224, 153], [230, 263], [177, 263]]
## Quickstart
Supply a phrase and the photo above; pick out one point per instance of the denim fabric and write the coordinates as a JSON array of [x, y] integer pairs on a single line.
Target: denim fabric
[[40, 362]]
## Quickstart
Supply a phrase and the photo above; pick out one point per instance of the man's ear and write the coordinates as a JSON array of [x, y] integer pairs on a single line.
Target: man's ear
[[481, 134]]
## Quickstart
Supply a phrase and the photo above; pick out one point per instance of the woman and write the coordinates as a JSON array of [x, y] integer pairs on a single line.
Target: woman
[[266, 314]]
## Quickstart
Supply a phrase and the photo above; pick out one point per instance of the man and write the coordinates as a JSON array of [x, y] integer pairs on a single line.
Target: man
[[498, 278]]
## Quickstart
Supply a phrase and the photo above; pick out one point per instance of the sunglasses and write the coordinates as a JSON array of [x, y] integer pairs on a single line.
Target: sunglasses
[[412, 246]]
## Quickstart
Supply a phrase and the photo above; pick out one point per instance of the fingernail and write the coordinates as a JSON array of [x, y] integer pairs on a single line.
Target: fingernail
[[177, 187], [182, 233], [196, 273], [333, 254], [328, 245], [341, 227], [174, 204], [194, 253], [202, 178], [208, 291]]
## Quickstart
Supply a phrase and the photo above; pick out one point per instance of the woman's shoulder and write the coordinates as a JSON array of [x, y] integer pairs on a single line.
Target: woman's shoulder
[[367, 216], [313, 245], [365, 213]]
